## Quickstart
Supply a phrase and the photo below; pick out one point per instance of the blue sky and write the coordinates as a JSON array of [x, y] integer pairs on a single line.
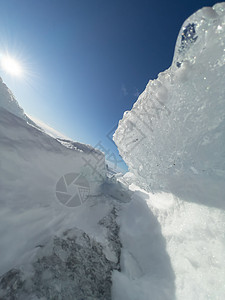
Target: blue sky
[[86, 61]]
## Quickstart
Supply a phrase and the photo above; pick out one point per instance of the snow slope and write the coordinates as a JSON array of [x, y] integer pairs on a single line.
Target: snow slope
[[31, 163], [52, 250]]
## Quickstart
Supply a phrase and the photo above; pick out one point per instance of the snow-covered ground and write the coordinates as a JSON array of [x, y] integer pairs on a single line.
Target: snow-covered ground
[[31, 164], [70, 230], [172, 249]]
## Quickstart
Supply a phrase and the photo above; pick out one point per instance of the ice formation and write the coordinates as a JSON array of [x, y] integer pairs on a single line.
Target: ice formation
[[174, 136], [173, 141]]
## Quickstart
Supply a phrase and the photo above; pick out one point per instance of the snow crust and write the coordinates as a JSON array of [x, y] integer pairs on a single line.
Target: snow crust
[[175, 132]]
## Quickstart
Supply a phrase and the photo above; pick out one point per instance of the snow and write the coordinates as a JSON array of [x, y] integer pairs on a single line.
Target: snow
[[31, 164], [160, 227], [192, 236], [146, 271], [48, 129]]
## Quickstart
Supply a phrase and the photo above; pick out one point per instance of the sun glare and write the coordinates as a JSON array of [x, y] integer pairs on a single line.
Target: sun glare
[[11, 66]]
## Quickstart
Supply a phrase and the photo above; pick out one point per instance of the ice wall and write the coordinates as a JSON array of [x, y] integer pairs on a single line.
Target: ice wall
[[173, 138]]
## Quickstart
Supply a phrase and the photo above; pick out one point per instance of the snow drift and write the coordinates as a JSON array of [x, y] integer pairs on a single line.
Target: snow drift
[[31, 164], [173, 139]]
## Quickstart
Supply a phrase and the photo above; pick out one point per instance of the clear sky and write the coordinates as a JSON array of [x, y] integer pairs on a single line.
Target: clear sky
[[86, 61]]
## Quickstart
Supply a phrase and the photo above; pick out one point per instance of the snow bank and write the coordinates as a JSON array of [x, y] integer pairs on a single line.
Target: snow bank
[[172, 249], [146, 270], [38, 190], [175, 133], [8, 101]]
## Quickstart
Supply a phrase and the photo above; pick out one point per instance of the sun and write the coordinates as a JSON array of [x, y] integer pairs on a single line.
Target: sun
[[11, 66]]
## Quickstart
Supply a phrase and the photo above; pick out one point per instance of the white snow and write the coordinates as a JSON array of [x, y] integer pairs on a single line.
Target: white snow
[[146, 271], [172, 202], [48, 129], [9, 102], [172, 249], [31, 163]]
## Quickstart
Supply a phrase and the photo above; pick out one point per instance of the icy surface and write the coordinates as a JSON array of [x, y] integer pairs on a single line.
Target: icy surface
[[175, 132]]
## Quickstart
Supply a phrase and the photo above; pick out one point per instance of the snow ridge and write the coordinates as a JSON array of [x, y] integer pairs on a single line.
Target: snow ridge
[[8, 101]]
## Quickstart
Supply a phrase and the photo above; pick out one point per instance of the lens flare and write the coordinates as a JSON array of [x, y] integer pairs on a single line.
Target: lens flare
[[11, 66]]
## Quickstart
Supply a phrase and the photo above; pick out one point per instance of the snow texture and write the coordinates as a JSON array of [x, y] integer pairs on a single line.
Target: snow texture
[[50, 248], [72, 266], [172, 249], [8, 102], [31, 163]]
